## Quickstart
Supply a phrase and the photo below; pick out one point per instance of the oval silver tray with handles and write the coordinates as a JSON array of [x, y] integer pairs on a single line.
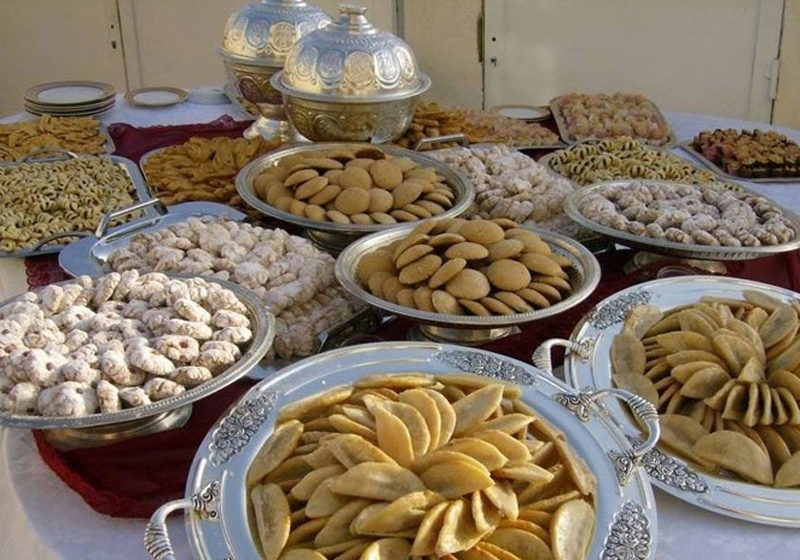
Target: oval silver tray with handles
[[215, 504], [587, 366], [44, 246]]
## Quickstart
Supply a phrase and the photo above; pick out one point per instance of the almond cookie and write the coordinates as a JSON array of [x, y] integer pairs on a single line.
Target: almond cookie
[[382, 218], [375, 282], [412, 254], [364, 163], [283, 204], [310, 188], [474, 307], [297, 207], [420, 270], [333, 175], [541, 264], [352, 201], [405, 164], [482, 231], [557, 282], [561, 260], [431, 207], [534, 297], [337, 217], [514, 301], [447, 271], [548, 291], [403, 216], [505, 223], [361, 219], [532, 242], [422, 299], [376, 261], [496, 306], [467, 250], [406, 193], [327, 194], [324, 163], [386, 174], [390, 288], [455, 225], [439, 199], [355, 177], [314, 212], [418, 211], [380, 200], [405, 297], [445, 303], [415, 238], [277, 192], [426, 173], [508, 275], [425, 227], [468, 284], [445, 240], [506, 249], [299, 177]]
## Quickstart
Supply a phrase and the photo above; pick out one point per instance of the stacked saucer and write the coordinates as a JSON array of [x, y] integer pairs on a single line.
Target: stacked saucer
[[70, 99]]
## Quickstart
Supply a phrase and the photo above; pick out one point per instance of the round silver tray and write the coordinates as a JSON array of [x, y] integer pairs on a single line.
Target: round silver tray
[[129, 422], [587, 365], [216, 497], [330, 234], [661, 246], [470, 329]]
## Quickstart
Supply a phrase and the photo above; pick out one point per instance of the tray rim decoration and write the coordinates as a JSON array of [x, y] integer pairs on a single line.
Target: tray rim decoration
[[346, 265], [664, 247], [688, 147], [555, 108], [141, 191], [591, 370], [462, 187], [263, 334], [215, 497]]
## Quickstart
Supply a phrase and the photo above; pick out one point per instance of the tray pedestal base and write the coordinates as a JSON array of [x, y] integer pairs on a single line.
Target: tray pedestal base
[[674, 266], [98, 436], [467, 337]]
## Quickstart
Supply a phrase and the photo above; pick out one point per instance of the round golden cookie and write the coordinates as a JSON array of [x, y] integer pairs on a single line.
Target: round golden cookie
[[411, 254], [496, 306], [421, 269], [391, 287], [297, 207], [437, 198], [425, 173], [326, 195], [352, 201], [422, 299], [431, 207], [482, 231], [380, 200], [561, 284], [468, 284], [532, 242], [333, 175], [418, 211], [355, 177], [426, 186], [361, 219], [447, 271], [440, 226], [386, 174], [310, 188], [505, 249], [455, 225], [382, 218], [375, 261], [263, 181], [406, 193], [405, 297], [445, 240], [508, 275], [534, 297], [414, 238], [284, 203], [514, 301], [403, 216], [337, 217], [467, 250], [405, 164], [505, 223], [314, 212], [375, 282], [541, 264], [299, 177], [290, 161], [445, 303], [548, 291], [324, 163], [474, 307], [276, 192], [277, 171], [365, 163]]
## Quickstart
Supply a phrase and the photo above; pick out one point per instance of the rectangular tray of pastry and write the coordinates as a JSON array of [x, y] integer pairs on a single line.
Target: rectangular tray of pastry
[[138, 192], [755, 156], [664, 138]]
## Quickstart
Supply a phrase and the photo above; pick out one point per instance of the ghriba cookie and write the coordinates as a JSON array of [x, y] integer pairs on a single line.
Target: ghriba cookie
[[508, 275], [468, 284], [447, 271], [386, 174], [421, 269], [467, 250], [482, 231], [352, 201], [446, 303]]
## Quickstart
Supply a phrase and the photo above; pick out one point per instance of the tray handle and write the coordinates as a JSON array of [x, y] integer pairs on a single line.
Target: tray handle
[[460, 138], [108, 217], [643, 411], [542, 356], [55, 236], [49, 150]]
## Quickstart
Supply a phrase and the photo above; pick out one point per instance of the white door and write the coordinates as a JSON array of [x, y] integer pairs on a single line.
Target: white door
[[702, 56]]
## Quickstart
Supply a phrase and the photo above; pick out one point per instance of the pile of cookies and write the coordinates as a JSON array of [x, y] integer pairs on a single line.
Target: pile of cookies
[[411, 465], [431, 120], [748, 153], [460, 267], [361, 186], [203, 169], [119, 341], [725, 376], [75, 134]]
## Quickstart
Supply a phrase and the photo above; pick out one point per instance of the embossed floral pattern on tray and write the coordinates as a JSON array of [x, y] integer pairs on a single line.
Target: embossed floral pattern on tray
[[629, 537], [617, 310], [239, 426], [483, 364]]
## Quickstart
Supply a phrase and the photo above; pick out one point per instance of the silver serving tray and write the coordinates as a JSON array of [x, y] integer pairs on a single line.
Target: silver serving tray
[[263, 327], [555, 108], [89, 254], [688, 147], [339, 235], [588, 365], [664, 247], [142, 194], [584, 277], [462, 139], [216, 497]]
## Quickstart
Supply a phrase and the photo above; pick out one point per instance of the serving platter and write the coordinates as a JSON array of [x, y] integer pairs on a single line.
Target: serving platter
[[558, 117], [672, 248], [215, 501], [688, 147], [472, 329], [331, 235], [587, 366], [69, 93], [153, 97], [144, 203]]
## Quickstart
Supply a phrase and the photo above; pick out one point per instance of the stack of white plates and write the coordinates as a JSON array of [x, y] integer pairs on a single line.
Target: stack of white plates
[[70, 99]]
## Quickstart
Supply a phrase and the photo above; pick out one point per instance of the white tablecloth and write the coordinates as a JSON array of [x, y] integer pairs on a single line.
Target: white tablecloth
[[44, 520]]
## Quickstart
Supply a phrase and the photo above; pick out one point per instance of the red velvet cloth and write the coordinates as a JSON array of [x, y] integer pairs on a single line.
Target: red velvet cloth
[[131, 479]]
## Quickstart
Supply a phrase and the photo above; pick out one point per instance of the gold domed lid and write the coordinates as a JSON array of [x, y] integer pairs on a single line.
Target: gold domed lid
[[351, 60], [264, 32]]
